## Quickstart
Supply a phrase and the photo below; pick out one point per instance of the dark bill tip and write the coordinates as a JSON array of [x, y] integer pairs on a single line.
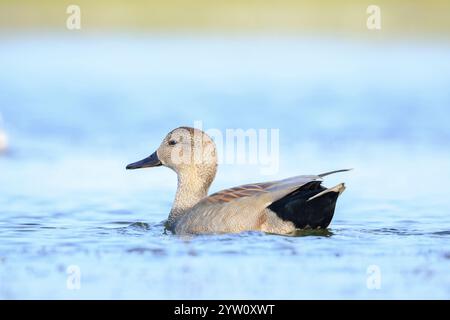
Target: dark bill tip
[[152, 161]]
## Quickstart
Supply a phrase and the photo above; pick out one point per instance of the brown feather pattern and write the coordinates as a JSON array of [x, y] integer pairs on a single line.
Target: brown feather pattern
[[238, 192]]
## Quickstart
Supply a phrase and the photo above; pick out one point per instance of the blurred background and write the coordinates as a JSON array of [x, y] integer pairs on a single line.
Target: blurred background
[[295, 17], [78, 105]]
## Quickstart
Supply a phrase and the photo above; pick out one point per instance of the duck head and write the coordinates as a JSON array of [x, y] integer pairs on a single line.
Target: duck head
[[190, 152]]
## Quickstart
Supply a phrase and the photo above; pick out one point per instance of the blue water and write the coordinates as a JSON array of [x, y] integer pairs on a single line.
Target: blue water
[[78, 107]]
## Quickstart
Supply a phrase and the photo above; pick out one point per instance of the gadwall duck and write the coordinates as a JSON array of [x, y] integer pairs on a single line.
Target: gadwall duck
[[279, 207]]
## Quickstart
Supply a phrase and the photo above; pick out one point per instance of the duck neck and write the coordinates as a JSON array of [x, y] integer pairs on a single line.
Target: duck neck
[[191, 189]]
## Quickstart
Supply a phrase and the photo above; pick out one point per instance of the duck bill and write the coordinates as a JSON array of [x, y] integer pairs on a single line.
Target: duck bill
[[152, 161]]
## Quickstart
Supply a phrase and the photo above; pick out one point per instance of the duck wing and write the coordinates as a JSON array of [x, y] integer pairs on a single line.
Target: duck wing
[[277, 189], [272, 190]]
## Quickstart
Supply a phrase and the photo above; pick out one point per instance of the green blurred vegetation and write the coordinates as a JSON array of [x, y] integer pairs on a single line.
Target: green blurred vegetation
[[403, 17]]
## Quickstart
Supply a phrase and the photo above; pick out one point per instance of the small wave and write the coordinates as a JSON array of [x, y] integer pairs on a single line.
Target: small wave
[[442, 233], [144, 250]]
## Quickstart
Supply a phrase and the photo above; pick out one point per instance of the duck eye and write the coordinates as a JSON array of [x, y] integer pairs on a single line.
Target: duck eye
[[172, 142]]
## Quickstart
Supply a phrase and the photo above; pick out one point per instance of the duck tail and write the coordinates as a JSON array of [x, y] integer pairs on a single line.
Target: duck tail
[[310, 206], [338, 189], [331, 172]]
